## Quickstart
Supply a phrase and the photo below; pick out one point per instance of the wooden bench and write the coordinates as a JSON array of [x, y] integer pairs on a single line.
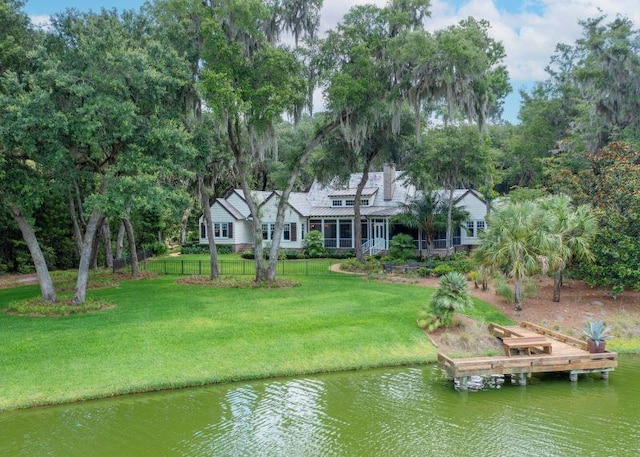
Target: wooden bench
[[525, 344], [502, 332]]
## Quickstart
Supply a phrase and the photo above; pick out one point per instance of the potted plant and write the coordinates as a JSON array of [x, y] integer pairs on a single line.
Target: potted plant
[[597, 333]]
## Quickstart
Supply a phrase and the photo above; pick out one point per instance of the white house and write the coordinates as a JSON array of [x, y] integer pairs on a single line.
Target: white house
[[329, 209]]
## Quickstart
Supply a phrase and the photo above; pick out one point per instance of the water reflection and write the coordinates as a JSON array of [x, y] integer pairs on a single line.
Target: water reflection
[[411, 411]]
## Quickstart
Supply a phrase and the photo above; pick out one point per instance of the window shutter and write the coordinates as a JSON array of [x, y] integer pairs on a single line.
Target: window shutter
[[294, 231], [230, 229]]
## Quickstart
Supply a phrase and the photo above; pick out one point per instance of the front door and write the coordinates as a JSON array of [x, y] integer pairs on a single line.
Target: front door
[[380, 234]]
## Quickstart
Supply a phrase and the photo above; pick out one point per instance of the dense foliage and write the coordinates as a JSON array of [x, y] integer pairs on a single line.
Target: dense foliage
[[104, 134]]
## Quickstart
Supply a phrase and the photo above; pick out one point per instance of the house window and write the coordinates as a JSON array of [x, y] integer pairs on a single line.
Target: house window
[[203, 231], [474, 227], [330, 228], [286, 232], [364, 202], [471, 229], [350, 202], [315, 224], [221, 230], [267, 231], [345, 234], [337, 203]]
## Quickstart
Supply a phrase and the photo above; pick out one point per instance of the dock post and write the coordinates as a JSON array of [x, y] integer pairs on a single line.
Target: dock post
[[522, 379], [573, 376], [604, 375], [464, 383]]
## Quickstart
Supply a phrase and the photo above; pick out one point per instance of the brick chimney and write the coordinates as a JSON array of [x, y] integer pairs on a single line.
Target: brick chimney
[[389, 176]]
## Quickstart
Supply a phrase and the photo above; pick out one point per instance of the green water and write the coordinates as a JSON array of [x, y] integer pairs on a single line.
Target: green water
[[412, 411]]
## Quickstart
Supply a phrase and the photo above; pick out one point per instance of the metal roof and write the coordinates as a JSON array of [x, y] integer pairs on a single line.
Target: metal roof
[[366, 192]]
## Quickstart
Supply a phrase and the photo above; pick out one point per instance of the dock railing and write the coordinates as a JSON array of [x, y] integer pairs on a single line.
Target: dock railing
[[555, 335]]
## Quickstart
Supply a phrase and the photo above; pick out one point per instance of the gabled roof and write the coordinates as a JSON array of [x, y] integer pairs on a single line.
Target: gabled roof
[[318, 201], [230, 208], [320, 195], [294, 197], [259, 196], [458, 194], [298, 201]]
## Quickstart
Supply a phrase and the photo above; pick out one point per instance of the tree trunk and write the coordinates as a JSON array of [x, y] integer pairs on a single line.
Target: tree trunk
[[449, 234], [133, 250], [357, 222], [79, 294], [518, 295], [243, 170], [206, 210], [184, 220], [47, 289], [557, 283], [106, 236], [120, 242], [94, 248], [77, 231], [283, 203]]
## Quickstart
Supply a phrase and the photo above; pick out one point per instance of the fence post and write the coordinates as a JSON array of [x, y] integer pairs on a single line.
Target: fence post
[[200, 267]]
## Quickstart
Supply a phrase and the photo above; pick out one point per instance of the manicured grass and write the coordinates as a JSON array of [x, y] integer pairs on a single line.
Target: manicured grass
[[165, 335]]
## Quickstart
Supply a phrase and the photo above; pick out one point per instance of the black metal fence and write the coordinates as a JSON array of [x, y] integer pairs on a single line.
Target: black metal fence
[[119, 264], [236, 267]]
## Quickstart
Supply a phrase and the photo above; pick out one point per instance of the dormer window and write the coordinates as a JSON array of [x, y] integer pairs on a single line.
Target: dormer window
[[337, 203], [364, 202], [350, 202]]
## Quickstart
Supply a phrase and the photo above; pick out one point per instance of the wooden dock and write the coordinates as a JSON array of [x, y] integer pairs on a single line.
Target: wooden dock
[[554, 352]]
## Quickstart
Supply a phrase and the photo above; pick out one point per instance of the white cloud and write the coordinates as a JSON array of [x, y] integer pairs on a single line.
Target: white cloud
[[529, 39], [42, 20]]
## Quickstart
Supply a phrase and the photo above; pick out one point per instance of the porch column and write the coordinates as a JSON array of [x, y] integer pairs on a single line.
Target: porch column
[[353, 232], [387, 233]]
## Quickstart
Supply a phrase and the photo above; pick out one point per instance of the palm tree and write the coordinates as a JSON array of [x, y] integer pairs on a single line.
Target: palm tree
[[429, 212], [575, 230], [513, 243], [452, 295]]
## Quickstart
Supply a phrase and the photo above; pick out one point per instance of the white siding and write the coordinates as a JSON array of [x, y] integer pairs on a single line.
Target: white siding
[[269, 212], [241, 229], [477, 210]]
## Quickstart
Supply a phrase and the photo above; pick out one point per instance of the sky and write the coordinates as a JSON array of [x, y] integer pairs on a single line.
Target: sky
[[529, 29]]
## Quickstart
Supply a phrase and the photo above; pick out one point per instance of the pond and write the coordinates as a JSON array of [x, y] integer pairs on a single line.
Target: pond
[[408, 411]]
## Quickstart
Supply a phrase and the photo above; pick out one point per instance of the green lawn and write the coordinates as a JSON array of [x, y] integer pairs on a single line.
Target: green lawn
[[164, 335]]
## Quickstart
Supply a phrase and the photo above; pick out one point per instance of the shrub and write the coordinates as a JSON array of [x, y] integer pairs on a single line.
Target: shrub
[[197, 248], [194, 248], [248, 254], [443, 269], [370, 265], [340, 254], [224, 248], [505, 290], [314, 244], [402, 247], [292, 254], [157, 248]]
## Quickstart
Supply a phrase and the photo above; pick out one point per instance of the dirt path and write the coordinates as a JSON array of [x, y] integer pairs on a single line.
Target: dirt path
[[578, 303]]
